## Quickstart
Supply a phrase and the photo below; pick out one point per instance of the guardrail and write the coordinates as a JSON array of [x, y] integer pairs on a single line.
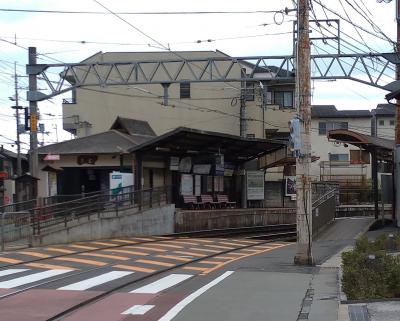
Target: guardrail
[[15, 226]]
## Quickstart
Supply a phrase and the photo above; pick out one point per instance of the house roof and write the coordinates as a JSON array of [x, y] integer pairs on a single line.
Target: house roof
[[330, 111], [109, 142], [385, 110], [188, 141], [133, 126], [9, 154]]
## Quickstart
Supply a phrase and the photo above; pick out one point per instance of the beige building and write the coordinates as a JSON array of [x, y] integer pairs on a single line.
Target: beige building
[[214, 106]]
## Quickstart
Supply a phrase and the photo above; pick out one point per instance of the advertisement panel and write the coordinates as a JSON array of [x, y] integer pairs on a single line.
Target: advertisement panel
[[255, 185]]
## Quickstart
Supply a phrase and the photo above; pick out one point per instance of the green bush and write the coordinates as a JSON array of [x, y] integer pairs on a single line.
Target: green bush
[[365, 278]]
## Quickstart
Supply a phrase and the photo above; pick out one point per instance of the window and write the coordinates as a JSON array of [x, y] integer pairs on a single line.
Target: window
[[325, 127], [249, 94], [392, 123], [339, 157], [381, 122], [284, 99], [185, 89], [359, 156], [250, 135]]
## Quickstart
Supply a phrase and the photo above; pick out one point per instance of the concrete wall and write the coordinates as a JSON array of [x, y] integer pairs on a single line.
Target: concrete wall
[[155, 221]]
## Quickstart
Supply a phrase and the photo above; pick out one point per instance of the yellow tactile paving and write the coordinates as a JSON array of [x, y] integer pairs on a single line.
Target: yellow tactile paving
[[107, 256], [55, 249], [104, 243], [147, 248], [205, 250], [190, 253], [195, 268], [155, 263], [49, 266], [8, 260], [168, 246], [84, 247], [126, 252], [35, 254], [134, 268], [173, 257], [83, 261], [220, 247]]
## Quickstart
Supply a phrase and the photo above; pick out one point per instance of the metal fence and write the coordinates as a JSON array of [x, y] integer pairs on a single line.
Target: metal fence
[[19, 226]]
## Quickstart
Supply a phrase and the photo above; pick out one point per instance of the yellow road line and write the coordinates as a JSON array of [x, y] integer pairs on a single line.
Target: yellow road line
[[229, 243], [235, 253], [8, 260], [169, 246], [84, 261], [190, 253], [146, 248], [205, 250], [59, 250], [223, 257], [123, 241], [249, 250], [155, 263], [49, 266], [182, 242], [134, 268], [143, 238], [126, 252], [235, 259], [220, 247], [106, 256], [35, 254], [203, 241], [195, 268], [84, 247], [210, 262], [173, 257], [104, 243]]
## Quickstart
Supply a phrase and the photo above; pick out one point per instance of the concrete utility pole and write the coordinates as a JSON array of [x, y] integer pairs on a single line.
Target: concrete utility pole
[[303, 160], [33, 159], [17, 107], [397, 128]]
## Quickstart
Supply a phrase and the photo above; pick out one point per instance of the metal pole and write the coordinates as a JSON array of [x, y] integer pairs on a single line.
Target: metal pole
[[33, 160], [303, 160], [397, 128]]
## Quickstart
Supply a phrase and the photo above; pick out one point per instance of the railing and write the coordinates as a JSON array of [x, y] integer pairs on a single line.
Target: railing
[[15, 226], [356, 196]]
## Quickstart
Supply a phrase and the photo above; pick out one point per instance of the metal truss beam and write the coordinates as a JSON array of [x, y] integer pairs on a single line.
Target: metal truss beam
[[370, 69]]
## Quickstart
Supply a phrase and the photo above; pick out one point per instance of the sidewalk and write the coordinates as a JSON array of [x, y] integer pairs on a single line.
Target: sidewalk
[[272, 288]]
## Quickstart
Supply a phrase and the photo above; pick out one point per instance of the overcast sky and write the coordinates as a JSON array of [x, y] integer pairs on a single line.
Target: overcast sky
[[71, 38]]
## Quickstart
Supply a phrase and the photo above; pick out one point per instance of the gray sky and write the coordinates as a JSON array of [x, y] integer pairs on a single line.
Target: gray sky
[[74, 37]]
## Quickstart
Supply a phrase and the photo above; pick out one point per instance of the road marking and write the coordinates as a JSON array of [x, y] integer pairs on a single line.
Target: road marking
[[35, 254], [76, 260], [183, 242], [229, 243], [195, 268], [104, 243], [84, 247], [123, 241], [235, 254], [155, 263], [173, 257], [106, 256], [143, 239], [205, 250], [8, 260], [170, 246], [11, 271], [203, 241], [59, 250], [249, 250], [31, 278], [162, 284], [95, 281], [250, 242], [210, 262], [134, 268], [182, 304], [147, 248], [220, 247], [138, 309], [190, 253], [223, 257], [49, 266], [127, 252]]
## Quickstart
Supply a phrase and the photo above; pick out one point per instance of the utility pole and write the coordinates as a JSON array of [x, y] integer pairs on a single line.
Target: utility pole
[[303, 159], [397, 128], [17, 107], [33, 159]]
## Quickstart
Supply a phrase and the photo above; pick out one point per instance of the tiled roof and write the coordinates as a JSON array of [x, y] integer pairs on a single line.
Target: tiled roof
[[330, 111]]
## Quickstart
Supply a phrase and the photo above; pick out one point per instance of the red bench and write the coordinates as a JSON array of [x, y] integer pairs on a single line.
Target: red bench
[[191, 202], [208, 201], [223, 200]]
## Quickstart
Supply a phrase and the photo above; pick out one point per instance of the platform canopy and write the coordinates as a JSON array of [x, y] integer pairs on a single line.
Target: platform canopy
[[187, 141], [383, 147]]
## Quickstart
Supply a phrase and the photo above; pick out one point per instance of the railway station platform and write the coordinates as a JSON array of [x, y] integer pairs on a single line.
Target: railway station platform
[[271, 287]]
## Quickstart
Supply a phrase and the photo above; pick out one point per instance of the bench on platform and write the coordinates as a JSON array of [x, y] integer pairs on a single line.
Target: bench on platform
[[208, 201], [223, 201], [191, 202]]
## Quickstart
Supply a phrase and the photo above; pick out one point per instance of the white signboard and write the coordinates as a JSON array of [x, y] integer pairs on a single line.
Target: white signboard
[[120, 180], [255, 185], [186, 184]]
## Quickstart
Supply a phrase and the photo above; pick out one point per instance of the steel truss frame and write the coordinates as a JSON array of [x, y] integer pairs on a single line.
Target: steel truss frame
[[376, 70]]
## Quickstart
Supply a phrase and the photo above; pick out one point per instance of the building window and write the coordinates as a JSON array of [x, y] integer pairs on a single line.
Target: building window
[[392, 123], [325, 127], [185, 89], [249, 94], [284, 99], [381, 122], [250, 135], [359, 156], [339, 157]]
